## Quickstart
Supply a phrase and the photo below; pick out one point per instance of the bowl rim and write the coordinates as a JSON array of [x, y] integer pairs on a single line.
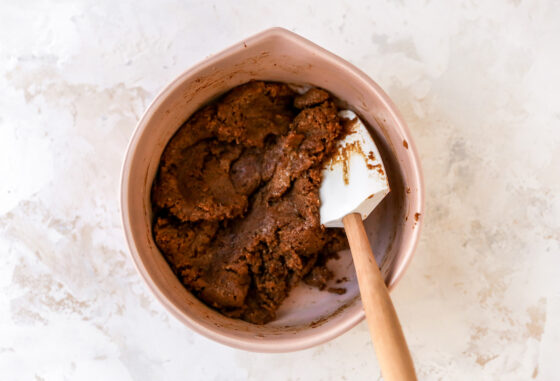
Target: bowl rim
[[275, 345]]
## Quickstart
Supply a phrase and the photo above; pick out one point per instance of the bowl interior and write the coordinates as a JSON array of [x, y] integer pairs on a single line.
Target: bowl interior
[[308, 316]]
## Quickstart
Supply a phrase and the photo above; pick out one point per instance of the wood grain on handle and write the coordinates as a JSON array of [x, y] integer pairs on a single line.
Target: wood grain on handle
[[385, 329]]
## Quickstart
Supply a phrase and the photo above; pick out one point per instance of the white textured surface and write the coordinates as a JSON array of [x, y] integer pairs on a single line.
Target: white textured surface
[[477, 82]]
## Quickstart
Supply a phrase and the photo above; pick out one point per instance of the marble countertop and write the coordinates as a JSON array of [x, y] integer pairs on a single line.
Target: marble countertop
[[477, 81]]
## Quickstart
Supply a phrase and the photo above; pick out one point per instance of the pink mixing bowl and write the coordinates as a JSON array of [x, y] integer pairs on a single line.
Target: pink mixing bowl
[[308, 317]]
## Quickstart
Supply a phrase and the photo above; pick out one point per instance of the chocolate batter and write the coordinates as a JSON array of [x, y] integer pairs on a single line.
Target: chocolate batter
[[236, 198]]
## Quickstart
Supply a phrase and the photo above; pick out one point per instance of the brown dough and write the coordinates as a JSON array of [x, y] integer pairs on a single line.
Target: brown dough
[[236, 198]]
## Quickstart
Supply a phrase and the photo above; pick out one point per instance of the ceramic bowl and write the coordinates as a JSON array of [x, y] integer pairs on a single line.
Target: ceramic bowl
[[308, 317]]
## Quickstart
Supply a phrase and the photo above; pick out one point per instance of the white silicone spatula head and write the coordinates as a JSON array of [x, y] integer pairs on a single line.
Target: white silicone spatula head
[[354, 181]]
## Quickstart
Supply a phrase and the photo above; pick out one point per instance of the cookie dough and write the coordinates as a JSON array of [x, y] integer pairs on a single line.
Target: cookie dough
[[236, 198]]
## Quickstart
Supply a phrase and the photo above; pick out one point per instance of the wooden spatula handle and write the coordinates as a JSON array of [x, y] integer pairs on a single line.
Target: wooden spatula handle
[[385, 329]]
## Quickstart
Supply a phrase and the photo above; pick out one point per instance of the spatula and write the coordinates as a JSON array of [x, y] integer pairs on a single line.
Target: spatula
[[354, 183]]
